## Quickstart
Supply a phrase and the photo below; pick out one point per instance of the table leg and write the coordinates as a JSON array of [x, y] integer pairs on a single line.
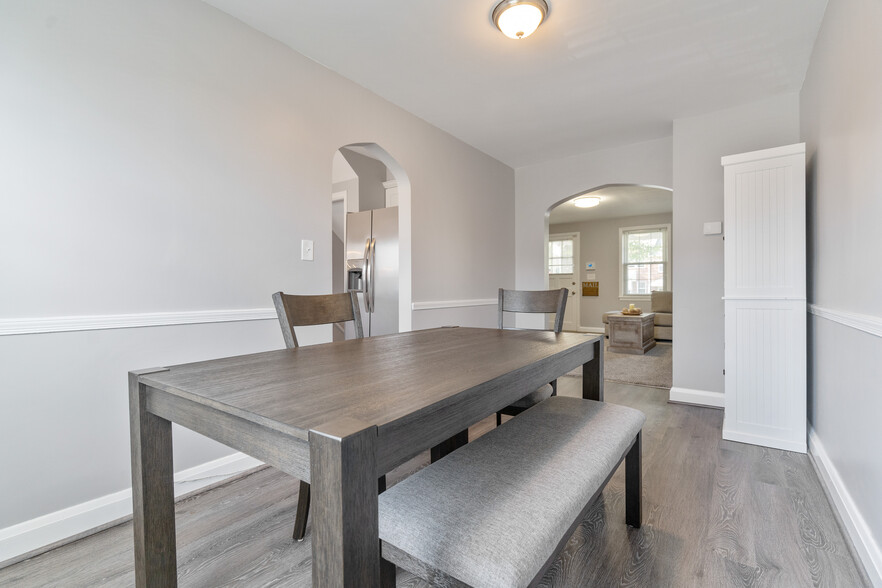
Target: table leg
[[592, 374], [345, 532], [152, 492]]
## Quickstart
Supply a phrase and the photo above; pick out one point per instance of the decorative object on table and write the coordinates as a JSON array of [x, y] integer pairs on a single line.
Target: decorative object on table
[[632, 311]]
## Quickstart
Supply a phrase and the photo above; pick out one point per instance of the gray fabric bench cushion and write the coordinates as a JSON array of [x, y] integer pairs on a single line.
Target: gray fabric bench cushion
[[534, 397], [493, 512]]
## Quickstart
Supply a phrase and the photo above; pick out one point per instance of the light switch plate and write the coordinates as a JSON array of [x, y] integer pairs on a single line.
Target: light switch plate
[[306, 250], [713, 228]]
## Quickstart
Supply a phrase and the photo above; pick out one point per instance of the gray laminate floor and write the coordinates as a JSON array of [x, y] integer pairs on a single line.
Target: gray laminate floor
[[716, 513]]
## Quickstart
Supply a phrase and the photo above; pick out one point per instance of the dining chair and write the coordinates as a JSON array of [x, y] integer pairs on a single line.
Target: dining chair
[[301, 311], [532, 301]]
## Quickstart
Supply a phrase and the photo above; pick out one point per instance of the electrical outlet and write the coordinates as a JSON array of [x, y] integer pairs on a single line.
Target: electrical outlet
[[306, 250]]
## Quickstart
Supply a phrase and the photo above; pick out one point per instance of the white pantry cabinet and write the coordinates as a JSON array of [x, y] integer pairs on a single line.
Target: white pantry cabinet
[[765, 300]]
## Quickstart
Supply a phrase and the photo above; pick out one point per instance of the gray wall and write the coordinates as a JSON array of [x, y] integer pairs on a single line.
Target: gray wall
[[162, 156], [841, 123], [599, 242], [699, 143]]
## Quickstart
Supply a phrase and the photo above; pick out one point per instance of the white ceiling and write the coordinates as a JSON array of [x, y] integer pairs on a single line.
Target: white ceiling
[[597, 73], [616, 201]]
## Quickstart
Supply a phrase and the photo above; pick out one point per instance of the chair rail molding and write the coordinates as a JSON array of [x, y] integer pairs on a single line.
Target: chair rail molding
[[62, 324], [862, 322], [454, 303]]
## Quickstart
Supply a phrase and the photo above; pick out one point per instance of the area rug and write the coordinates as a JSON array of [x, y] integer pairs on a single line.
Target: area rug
[[654, 368]]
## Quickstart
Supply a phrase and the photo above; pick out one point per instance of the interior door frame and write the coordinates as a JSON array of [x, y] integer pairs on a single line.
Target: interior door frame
[[574, 304]]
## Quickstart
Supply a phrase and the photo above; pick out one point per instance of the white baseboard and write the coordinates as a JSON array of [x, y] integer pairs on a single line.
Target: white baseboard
[[763, 440], [858, 531], [697, 397], [593, 330], [30, 537]]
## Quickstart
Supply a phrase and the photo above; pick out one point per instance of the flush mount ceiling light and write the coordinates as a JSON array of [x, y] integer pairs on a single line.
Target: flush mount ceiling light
[[586, 201], [518, 19]]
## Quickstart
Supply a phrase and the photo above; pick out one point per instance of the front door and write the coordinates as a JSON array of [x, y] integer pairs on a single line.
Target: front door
[[563, 272]]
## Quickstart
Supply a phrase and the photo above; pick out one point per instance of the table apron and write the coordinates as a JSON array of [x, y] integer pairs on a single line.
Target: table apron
[[407, 437], [287, 453]]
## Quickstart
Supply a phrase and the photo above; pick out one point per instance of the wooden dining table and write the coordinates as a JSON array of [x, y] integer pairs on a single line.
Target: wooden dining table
[[336, 415]]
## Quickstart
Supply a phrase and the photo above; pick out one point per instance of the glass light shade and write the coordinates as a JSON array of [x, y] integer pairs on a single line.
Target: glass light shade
[[586, 201], [518, 20]]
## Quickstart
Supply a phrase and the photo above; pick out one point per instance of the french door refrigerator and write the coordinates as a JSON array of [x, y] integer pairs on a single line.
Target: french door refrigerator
[[372, 267]]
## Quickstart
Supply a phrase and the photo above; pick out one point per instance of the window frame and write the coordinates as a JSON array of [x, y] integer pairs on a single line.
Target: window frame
[[623, 231], [573, 257]]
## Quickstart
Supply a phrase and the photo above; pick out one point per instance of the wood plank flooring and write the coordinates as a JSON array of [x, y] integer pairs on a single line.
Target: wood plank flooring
[[716, 513]]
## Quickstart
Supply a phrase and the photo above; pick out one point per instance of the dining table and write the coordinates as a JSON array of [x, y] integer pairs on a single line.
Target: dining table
[[337, 415]]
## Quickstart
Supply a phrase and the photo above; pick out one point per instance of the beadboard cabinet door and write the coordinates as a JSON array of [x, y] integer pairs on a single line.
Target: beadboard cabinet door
[[765, 300]]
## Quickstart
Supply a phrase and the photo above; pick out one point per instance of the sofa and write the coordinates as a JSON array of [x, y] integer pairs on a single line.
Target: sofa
[[662, 304]]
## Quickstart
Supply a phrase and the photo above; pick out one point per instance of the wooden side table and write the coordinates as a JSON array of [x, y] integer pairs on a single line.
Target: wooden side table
[[631, 333]]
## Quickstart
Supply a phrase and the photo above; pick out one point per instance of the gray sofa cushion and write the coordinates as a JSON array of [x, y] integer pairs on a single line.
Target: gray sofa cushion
[[663, 319], [493, 512], [662, 301]]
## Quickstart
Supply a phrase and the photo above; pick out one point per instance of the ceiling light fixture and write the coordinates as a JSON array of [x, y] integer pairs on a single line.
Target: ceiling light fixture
[[586, 201], [517, 19]]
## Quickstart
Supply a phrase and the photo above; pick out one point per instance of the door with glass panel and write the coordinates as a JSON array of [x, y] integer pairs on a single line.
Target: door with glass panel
[[563, 272]]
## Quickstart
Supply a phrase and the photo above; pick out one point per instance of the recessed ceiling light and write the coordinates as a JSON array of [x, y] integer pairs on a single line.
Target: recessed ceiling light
[[518, 19], [586, 201]]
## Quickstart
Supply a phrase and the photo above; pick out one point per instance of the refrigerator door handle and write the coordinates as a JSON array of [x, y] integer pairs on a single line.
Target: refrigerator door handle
[[366, 279], [369, 286]]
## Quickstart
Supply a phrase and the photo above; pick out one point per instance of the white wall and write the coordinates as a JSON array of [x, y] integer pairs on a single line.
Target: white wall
[[599, 242], [539, 187], [699, 143], [841, 123], [160, 157]]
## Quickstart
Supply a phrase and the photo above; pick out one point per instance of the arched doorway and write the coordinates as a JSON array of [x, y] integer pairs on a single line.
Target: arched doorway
[[593, 266], [367, 178]]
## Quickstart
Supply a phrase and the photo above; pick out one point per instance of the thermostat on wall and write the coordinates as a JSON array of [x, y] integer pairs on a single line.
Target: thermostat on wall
[[590, 265]]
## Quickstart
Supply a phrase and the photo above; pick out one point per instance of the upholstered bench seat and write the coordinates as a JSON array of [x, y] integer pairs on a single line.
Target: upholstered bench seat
[[499, 510]]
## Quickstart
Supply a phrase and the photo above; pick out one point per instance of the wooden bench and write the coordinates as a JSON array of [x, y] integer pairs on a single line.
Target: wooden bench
[[498, 511]]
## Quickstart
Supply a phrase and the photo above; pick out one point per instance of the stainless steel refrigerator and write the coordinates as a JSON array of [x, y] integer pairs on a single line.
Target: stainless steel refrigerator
[[372, 267]]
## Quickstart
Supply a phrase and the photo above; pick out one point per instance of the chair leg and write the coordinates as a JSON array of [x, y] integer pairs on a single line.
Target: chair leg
[[302, 512], [634, 484], [553, 387], [449, 445], [303, 507]]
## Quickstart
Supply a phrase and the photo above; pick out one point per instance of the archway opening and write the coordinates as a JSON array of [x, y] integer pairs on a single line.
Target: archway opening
[[611, 254], [371, 234]]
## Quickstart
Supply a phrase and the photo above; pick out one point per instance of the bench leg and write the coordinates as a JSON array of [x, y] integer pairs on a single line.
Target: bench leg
[[634, 484]]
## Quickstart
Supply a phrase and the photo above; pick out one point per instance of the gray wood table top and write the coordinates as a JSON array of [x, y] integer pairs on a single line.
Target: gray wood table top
[[376, 380]]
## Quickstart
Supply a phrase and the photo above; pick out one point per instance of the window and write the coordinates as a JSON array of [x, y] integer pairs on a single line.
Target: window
[[645, 255], [560, 256]]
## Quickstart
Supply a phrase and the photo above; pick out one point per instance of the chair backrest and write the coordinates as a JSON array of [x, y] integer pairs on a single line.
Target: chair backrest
[[551, 301], [300, 311]]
